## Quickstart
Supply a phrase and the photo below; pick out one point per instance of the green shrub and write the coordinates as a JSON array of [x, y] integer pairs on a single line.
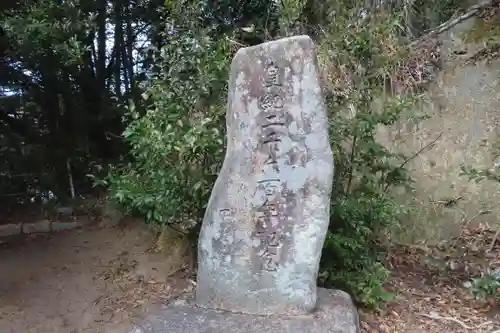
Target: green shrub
[[486, 286], [359, 63], [177, 146]]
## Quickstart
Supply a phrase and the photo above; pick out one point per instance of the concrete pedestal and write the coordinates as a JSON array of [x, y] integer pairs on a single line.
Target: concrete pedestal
[[335, 314]]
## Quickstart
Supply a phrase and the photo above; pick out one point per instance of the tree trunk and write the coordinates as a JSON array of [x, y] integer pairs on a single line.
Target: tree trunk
[[118, 48], [101, 44]]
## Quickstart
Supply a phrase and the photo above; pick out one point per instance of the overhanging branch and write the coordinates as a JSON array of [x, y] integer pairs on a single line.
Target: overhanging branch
[[471, 11]]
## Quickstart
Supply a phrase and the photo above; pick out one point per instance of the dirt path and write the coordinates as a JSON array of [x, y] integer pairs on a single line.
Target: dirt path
[[102, 280], [84, 281]]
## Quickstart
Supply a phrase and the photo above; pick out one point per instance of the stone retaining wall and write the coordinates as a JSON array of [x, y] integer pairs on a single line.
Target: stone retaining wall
[[43, 226]]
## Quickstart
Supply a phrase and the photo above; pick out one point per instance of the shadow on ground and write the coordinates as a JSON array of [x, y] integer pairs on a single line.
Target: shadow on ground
[[90, 280]]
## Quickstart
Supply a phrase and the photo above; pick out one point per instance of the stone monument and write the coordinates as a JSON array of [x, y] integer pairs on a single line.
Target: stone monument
[[266, 220], [265, 224]]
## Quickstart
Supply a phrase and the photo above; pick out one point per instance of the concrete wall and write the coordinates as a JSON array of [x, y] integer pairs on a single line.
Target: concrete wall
[[464, 108]]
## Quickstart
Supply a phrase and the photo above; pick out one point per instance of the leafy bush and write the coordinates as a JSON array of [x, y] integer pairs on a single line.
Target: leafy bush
[[178, 144], [359, 63], [486, 286]]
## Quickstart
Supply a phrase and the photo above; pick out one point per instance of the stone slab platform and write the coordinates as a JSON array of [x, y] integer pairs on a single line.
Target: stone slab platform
[[335, 314]]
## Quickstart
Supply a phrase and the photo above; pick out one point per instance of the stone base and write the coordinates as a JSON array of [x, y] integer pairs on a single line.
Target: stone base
[[335, 314]]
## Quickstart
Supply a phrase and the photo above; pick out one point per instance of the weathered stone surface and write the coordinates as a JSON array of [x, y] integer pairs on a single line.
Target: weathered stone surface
[[40, 226], [335, 314], [60, 226], [10, 229], [266, 220]]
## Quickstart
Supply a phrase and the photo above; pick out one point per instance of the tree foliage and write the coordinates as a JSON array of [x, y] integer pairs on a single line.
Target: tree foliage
[[69, 69]]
